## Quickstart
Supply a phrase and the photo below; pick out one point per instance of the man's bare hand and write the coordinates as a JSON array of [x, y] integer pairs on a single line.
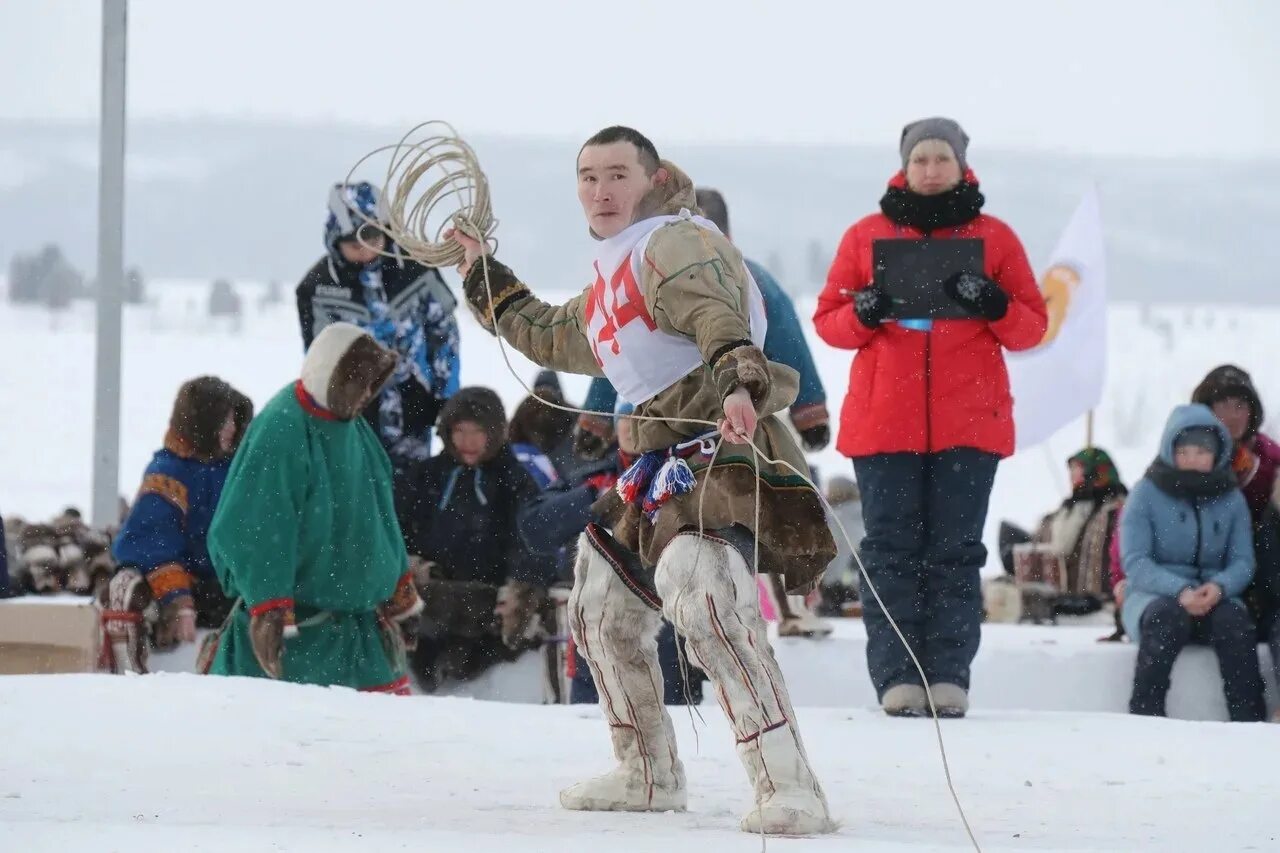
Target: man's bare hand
[[473, 247], [739, 423]]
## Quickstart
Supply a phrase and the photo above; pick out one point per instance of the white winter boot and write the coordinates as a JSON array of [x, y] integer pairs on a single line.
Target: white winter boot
[[789, 800], [616, 633], [640, 783], [710, 596]]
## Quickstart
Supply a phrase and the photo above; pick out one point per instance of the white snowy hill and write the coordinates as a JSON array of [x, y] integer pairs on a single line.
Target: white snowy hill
[[180, 762]]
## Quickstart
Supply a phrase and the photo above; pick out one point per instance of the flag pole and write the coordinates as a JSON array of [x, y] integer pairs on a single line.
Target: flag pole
[[1088, 430], [106, 404]]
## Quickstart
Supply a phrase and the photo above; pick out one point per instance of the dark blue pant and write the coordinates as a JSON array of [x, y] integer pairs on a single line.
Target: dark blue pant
[[923, 551], [1166, 630], [4, 564], [583, 689], [1273, 640]]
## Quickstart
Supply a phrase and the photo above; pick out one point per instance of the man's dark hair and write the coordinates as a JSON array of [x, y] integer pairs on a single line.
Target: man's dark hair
[[647, 151], [714, 207]]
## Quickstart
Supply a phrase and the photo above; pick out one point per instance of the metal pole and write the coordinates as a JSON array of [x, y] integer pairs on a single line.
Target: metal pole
[[107, 385]]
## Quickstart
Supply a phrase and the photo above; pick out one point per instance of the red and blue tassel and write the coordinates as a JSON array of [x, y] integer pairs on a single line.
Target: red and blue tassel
[[634, 482], [675, 477]]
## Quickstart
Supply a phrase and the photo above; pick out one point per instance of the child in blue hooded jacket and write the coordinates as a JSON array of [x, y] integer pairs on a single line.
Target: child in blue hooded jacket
[[164, 537], [1187, 544]]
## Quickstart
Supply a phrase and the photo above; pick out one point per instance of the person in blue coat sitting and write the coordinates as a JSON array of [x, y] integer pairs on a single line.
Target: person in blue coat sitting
[[163, 538], [1187, 545]]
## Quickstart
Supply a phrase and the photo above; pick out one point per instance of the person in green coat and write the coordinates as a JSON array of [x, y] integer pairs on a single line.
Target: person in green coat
[[306, 535]]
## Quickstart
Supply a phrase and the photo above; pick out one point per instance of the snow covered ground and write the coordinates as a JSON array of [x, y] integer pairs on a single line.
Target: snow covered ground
[[179, 762], [1158, 355]]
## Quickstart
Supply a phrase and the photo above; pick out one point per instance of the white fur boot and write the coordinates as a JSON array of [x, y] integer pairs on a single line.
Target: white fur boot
[[616, 633], [710, 595]]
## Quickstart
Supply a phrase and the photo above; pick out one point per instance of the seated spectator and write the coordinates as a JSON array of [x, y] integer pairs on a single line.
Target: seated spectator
[[305, 537], [542, 440], [553, 523], [1263, 595], [541, 436], [1188, 556], [481, 588], [163, 538], [1115, 568], [1230, 393], [1081, 530]]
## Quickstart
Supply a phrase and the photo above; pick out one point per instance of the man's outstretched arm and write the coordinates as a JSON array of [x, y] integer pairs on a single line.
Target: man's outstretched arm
[[552, 336]]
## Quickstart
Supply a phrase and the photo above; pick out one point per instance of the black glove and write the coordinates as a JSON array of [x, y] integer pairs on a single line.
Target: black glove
[[872, 305], [978, 294], [815, 438]]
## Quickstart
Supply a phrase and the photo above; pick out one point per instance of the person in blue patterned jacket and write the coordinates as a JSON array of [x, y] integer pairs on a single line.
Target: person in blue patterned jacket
[[163, 538], [784, 343], [364, 279]]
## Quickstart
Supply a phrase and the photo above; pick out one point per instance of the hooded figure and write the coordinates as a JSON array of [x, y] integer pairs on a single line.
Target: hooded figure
[[163, 540], [1188, 555], [459, 511], [306, 538], [407, 307], [542, 437], [1081, 529], [1231, 394]]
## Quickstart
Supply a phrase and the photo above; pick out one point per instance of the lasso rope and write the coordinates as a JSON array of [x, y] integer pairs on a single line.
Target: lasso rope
[[408, 226], [433, 146]]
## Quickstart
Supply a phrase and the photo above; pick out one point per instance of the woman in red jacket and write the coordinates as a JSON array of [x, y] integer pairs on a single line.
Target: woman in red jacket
[[928, 416]]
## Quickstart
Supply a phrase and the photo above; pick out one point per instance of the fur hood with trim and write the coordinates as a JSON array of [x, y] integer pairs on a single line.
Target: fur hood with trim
[[199, 412], [345, 368]]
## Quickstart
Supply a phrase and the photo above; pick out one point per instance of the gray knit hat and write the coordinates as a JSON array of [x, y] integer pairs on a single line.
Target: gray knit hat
[[1204, 437], [948, 130]]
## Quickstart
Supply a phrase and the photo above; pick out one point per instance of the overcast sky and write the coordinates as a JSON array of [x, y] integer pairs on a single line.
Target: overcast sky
[[1165, 77]]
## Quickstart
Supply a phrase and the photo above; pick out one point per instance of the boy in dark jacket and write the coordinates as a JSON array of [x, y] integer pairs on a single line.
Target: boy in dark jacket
[[459, 512]]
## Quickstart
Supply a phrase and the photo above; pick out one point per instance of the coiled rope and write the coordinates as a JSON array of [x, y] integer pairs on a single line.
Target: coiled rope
[[435, 145], [434, 152]]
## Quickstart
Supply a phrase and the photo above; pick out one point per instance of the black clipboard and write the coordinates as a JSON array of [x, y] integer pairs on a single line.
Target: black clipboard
[[912, 273]]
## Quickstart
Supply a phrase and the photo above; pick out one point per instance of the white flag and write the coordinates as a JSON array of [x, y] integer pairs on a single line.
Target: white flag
[[1062, 378]]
